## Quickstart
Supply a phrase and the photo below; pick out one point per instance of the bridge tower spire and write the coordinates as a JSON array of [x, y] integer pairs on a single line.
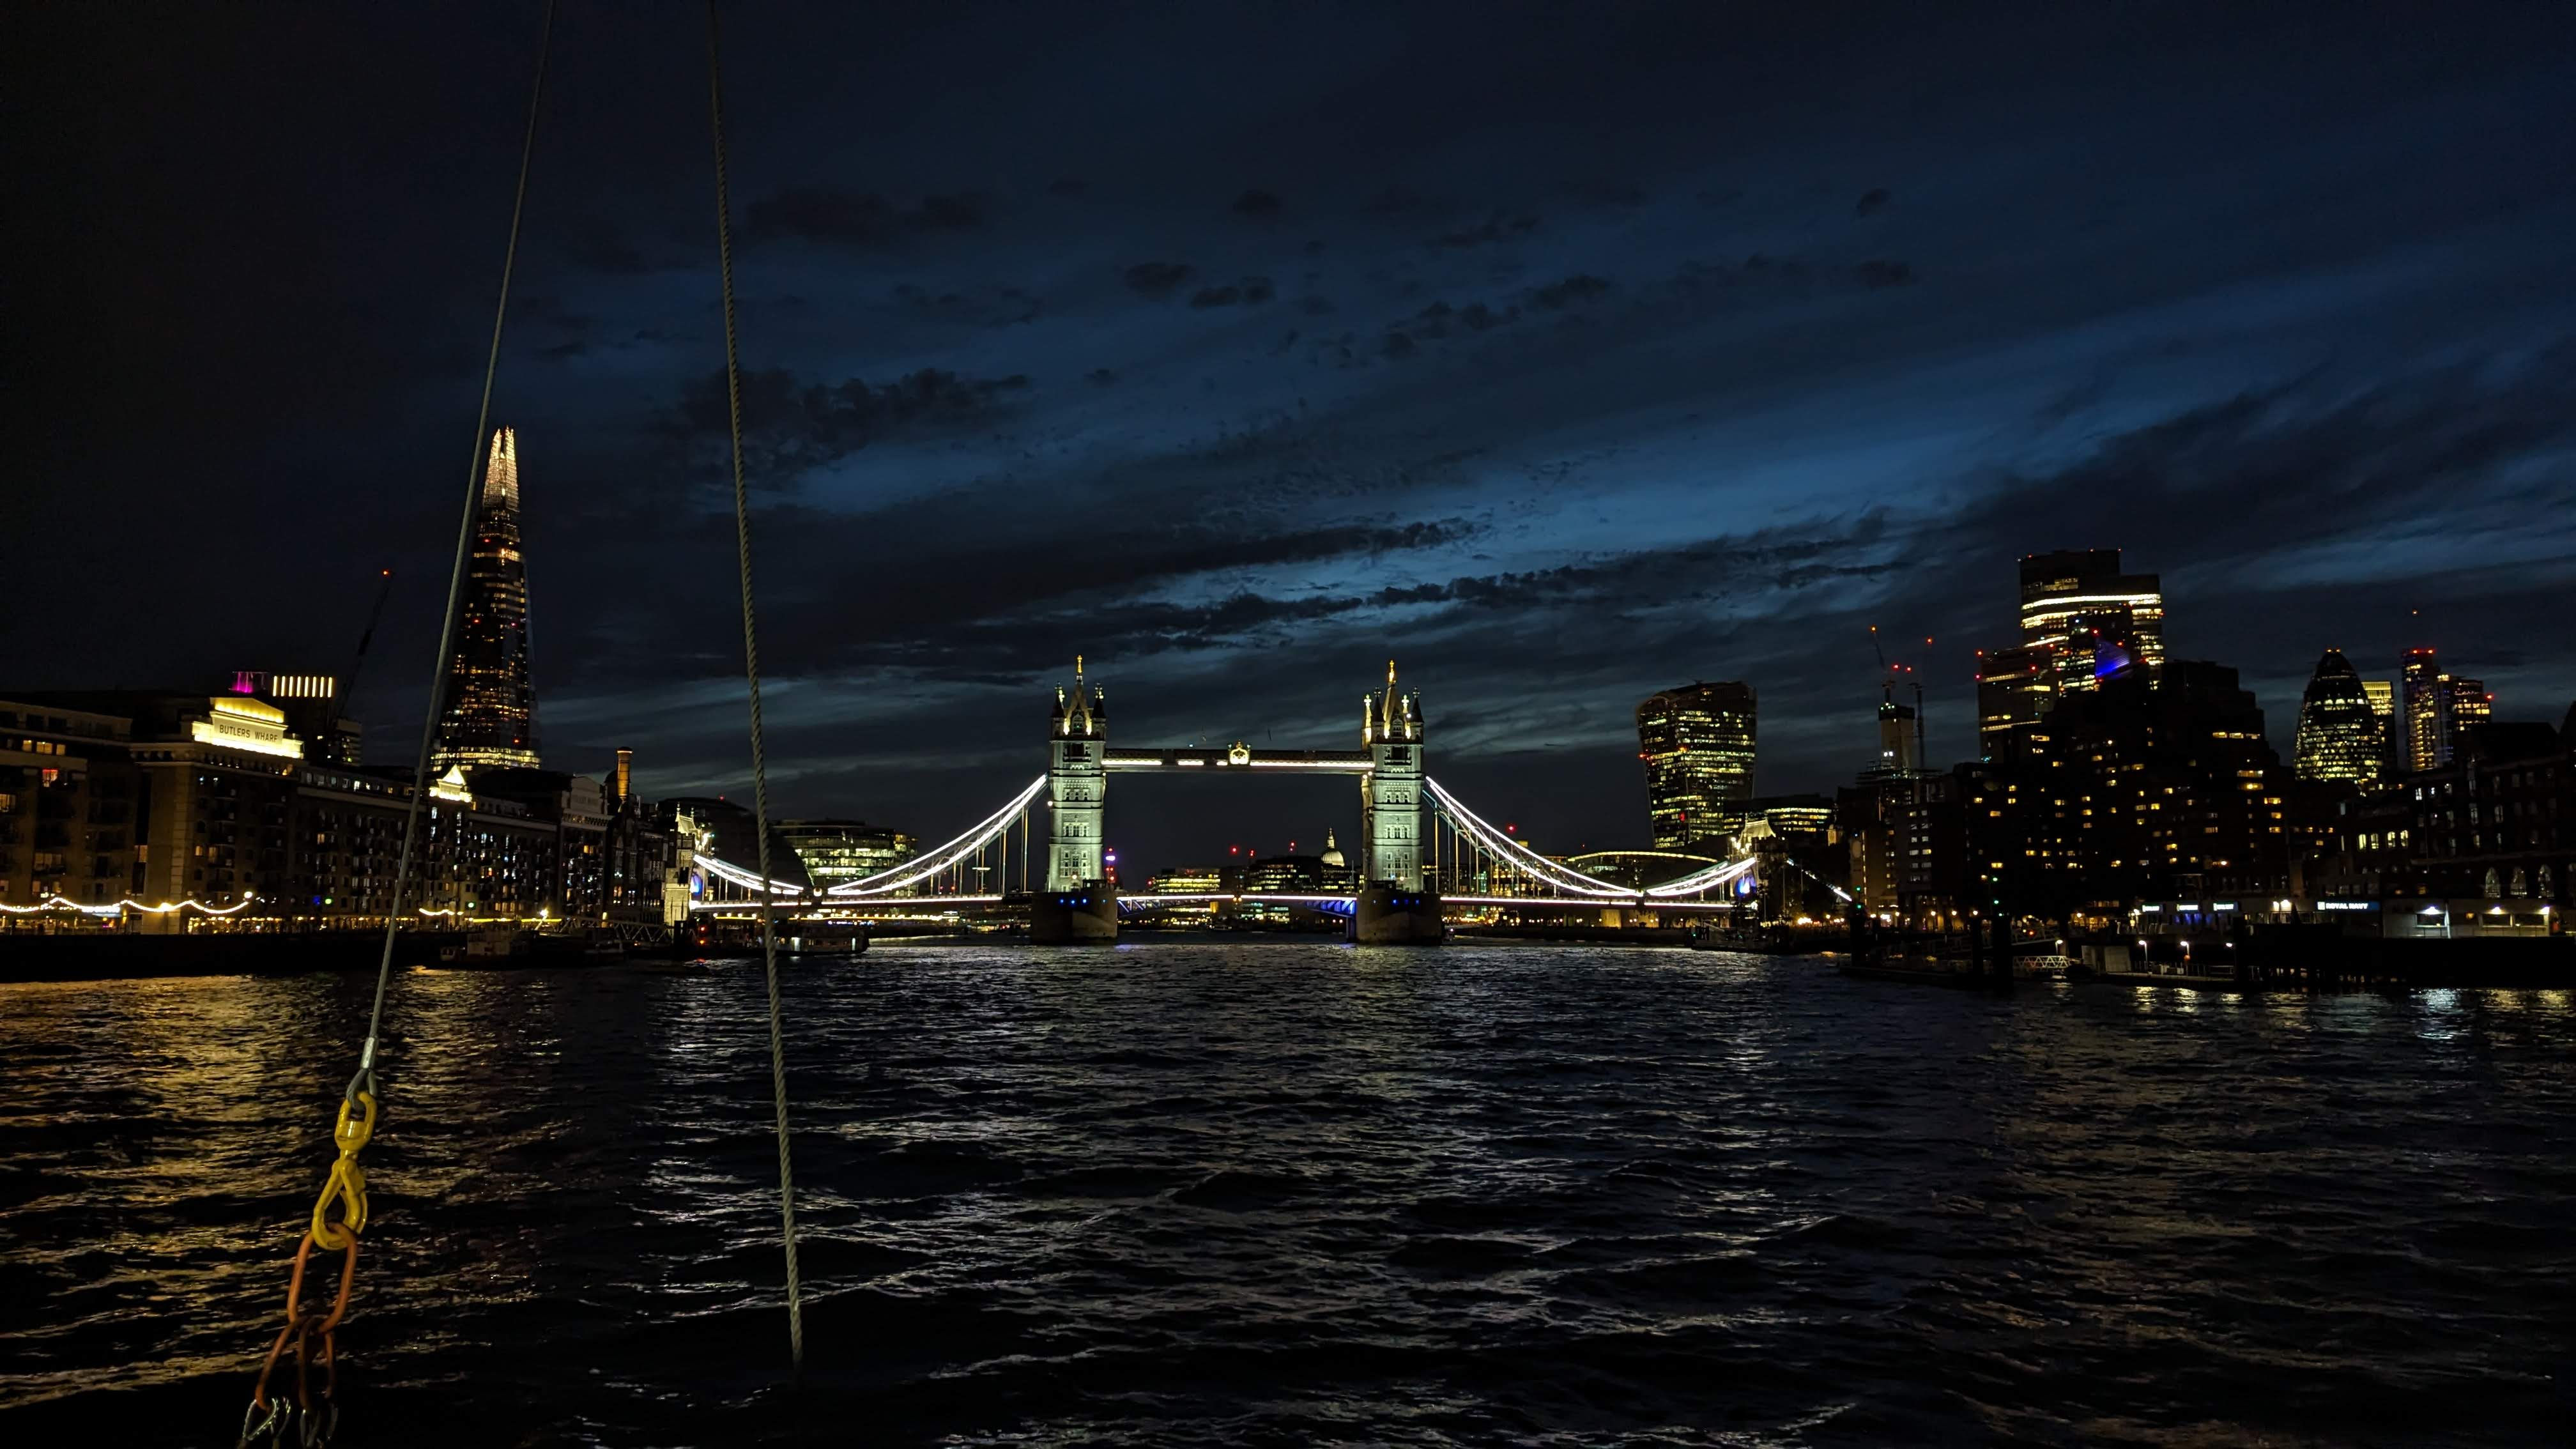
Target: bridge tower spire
[[1079, 904], [1394, 907]]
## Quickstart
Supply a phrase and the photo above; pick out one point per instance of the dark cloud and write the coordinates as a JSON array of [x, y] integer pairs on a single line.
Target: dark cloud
[[1157, 279], [1100, 377], [955, 606], [791, 427], [1492, 229], [1257, 204], [1571, 292], [1439, 321], [1250, 291], [1659, 578], [1878, 272], [1872, 201], [2300, 462], [857, 220], [1397, 346], [596, 249], [1067, 186], [985, 307], [1623, 194]]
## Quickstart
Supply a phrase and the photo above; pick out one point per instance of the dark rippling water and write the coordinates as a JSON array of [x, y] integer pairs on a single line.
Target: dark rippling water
[[1285, 1194]]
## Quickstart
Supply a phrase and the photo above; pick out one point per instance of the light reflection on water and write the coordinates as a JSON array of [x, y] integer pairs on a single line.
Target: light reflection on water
[[1190, 1193]]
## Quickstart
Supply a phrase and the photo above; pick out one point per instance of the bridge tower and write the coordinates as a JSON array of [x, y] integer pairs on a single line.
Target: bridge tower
[[1078, 903], [1394, 907]]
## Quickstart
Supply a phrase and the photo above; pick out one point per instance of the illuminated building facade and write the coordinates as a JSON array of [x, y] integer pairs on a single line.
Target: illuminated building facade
[[2439, 708], [312, 706], [1391, 792], [2083, 623], [491, 705], [1187, 880], [1801, 819], [2340, 736], [2465, 705], [2089, 620], [1900, 743], [203, 789], [2383, 704], [838, 851], [1698, 745], [2130, 793], [163, 799], [2492, 825], [66, 805], [2421, 679], [2012, 694], [1077, 785]]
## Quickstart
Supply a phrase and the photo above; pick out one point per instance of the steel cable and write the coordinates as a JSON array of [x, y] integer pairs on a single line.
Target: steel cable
[[346, 1182], [751, 673]]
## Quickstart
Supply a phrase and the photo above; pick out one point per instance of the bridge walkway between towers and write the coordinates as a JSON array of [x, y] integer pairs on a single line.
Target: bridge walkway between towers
[[1132, 758]]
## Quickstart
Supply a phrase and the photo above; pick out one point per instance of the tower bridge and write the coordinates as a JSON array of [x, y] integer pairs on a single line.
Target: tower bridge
[[1421, 849]]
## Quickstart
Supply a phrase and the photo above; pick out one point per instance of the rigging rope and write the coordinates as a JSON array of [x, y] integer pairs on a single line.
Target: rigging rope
[[751, 673], [311, 1330]]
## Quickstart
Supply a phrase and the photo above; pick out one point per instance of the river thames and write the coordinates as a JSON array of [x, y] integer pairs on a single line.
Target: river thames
[[1287, 1193]]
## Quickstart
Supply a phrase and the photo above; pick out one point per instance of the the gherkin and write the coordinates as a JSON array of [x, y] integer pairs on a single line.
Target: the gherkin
[[2340, 734]]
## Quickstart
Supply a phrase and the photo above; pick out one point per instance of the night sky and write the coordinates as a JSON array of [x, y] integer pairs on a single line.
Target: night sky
[[1563, 353]]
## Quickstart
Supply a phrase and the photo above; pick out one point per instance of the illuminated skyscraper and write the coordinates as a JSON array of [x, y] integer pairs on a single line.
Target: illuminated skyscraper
[[2422, 680], [491, 716], [2438, 707], [2383, 703], [2093, 621], [2465, 702], [2012, 695], [1900, 745], [1697, 742], [2340, 734]]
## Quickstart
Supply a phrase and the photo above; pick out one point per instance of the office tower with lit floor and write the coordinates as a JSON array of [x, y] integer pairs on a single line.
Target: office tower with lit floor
[[1697, 742]]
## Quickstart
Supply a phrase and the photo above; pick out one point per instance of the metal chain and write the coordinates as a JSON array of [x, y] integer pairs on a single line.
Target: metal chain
[[751, 673]]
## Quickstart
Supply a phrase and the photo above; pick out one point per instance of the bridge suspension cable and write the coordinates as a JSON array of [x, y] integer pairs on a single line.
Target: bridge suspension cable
[[923, 867], [1529, 862], [1697, 881]]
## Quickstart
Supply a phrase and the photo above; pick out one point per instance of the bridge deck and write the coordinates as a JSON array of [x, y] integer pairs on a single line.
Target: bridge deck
[[1199, 757]]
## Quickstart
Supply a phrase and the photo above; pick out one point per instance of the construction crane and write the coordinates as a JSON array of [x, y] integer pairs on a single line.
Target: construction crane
[[384, 589], [1887, 682]]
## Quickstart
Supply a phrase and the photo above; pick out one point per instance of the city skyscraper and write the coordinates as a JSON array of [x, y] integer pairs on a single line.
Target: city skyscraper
[[2438, 707], [2340, 735], [491, 711], [2383, 703], [2465, 702], [2420, 679], [1899, 743], [2012, 694], [2092, 621], [1697, 742]]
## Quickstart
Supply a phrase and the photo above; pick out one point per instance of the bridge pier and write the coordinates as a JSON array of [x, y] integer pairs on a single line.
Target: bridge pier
[[1087, 916], [1391, 915]]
